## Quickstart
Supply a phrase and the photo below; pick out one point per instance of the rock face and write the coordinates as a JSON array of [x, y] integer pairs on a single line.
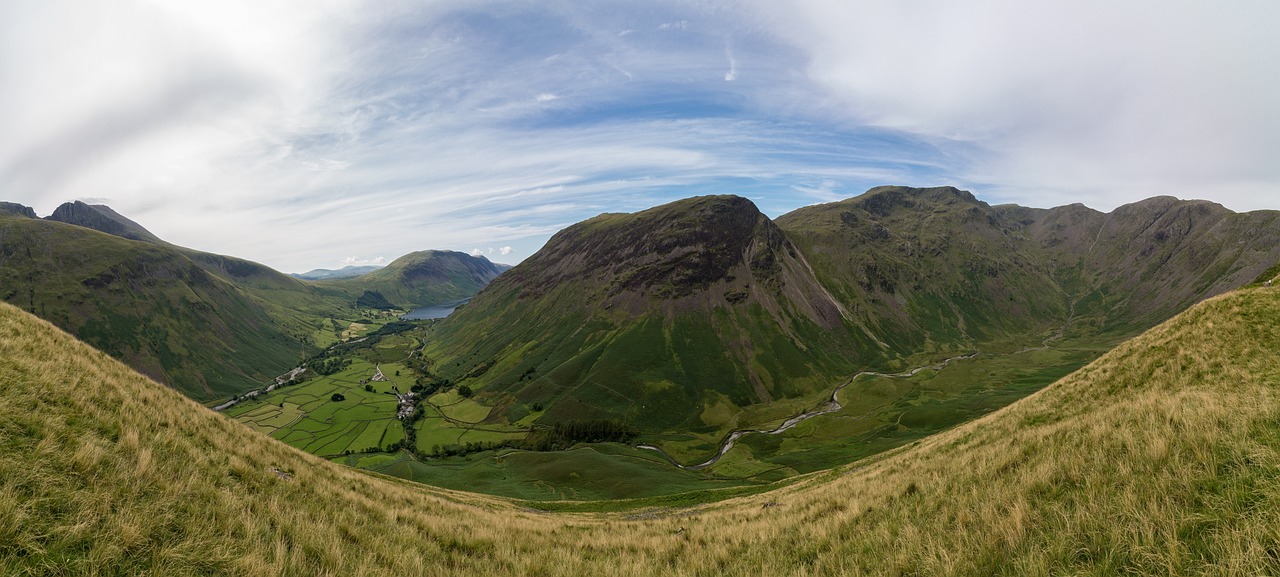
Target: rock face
[[17, 209], [101, 218]]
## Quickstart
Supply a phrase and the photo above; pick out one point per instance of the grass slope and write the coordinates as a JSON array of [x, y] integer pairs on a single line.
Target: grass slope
[[147, 304], [1162, 457], [423, 278]]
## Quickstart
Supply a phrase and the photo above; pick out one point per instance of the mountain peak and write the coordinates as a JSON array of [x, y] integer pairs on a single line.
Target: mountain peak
[[17, 209], [101, 218]]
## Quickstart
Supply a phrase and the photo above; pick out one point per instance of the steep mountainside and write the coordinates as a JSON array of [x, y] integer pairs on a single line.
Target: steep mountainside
[[147, 304], [650, 317], [1146, 261], [423, 278], [931, 269], [1161, 458]]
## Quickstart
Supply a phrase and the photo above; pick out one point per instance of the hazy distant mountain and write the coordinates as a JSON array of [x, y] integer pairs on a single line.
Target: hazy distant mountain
[[331, 274]]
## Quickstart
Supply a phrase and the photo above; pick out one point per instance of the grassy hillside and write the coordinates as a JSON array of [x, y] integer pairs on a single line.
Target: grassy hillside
[[653, 318], [147, 304], [1160, 458], [422, 278]]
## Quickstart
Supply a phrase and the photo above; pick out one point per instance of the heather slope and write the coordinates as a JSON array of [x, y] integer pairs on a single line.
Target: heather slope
[[1159, 458]]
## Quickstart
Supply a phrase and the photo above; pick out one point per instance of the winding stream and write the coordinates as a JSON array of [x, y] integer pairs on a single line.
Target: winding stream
[[830, 406]]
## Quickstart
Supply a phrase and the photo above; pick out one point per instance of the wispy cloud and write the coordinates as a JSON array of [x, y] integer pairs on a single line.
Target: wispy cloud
[[289, 131]]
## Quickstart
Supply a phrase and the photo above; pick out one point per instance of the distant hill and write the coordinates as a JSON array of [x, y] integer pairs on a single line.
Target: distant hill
[[344, 272], [423, 278], [1158, 459]]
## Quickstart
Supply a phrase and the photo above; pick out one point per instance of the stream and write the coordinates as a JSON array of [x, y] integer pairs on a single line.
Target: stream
[[830, 406]]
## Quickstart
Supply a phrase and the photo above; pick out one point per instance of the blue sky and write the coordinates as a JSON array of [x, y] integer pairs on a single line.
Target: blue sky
[[307, 134]]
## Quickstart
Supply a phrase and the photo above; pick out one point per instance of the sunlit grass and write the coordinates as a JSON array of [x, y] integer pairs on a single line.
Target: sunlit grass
[[1159, 458]]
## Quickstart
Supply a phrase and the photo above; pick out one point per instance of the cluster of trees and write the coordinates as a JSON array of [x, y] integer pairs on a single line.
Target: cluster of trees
[[374, 300], [566, 434], [327, 365]]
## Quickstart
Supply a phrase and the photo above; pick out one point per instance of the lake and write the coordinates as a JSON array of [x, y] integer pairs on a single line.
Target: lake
[[439, 311]]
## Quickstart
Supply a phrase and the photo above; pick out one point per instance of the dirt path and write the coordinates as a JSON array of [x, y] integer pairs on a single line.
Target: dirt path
[[830, 406]]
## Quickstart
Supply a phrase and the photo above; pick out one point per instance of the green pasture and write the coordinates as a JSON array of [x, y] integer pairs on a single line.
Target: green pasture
[[305, 416]]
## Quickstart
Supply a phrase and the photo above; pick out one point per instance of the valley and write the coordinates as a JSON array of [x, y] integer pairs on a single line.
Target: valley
[[697, 350]]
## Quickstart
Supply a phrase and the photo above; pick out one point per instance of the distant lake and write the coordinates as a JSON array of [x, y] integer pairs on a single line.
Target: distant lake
[[439, 311]]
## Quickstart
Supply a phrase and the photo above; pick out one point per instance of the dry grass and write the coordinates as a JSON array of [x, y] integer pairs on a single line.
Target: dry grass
[[1159, 458]]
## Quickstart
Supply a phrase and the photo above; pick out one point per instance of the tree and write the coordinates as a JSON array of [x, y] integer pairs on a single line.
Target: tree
[[368, 388], [464, 390], [337, 397]]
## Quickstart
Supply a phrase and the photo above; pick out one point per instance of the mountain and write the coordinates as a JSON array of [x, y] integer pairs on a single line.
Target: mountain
[[101, 218], [148, 304], [653, 316], [1159, 458], [17, 209], [423, 278], [1148, 260], [210, 325], [704, 315], [344, 272], [929, 269]]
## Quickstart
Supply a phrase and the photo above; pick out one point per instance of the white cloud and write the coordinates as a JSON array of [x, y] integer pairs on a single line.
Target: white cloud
[[477, 252], [358, 261], [1106, 101], [285, 130], [825, 191], [506, 250]]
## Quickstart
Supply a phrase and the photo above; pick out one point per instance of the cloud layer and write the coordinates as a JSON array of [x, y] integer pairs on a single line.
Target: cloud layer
[[297, 132]]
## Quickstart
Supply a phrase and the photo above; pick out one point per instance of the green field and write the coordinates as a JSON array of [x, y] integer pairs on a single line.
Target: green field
[[454, 435], [306, 417], [587, 472]]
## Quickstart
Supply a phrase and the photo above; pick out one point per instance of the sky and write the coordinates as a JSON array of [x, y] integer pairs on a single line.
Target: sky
[[320, 133]]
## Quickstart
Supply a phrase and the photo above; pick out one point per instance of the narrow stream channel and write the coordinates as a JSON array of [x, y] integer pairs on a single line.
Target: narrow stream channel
[[831, 406]]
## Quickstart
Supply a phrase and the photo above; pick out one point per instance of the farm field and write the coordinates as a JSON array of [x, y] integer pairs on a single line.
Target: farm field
[[306, 416]]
